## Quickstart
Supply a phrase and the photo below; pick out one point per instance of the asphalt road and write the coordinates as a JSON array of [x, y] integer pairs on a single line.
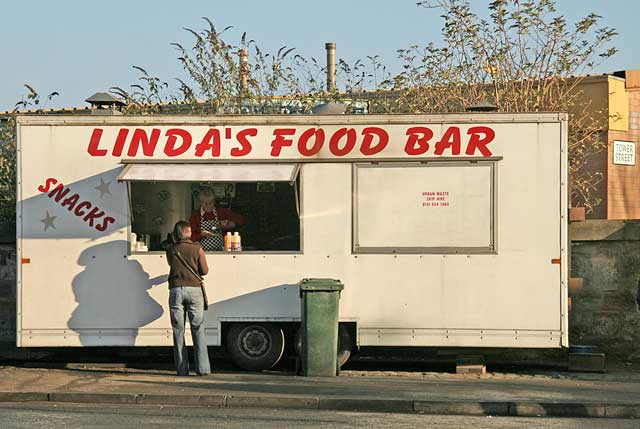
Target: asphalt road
[[71, 416]]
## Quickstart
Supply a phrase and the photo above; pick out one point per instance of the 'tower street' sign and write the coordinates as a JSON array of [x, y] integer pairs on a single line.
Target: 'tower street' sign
[[624, 153]]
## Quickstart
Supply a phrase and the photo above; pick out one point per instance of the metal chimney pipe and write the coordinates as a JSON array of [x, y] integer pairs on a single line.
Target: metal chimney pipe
[[244, 70], [331, 66]]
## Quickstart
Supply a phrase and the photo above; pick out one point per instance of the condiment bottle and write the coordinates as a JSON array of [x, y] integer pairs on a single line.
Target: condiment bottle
[[236, 246], [133, 239], [227, 241]]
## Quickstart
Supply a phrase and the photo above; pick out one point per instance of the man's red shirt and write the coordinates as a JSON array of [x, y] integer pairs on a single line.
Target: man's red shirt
[[223, 214]]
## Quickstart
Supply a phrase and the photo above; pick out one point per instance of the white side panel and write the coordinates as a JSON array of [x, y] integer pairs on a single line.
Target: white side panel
[[564, 228], [18, 235], [83, 288]]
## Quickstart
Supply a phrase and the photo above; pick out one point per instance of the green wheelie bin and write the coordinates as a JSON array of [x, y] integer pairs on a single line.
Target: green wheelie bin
[[320, 299]]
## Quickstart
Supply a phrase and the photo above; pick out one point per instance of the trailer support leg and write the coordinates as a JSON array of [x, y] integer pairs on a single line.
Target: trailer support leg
[[470, 364]]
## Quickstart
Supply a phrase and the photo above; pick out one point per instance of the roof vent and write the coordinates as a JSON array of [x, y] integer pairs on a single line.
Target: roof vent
[[329, 108], [483, 106], [103, 103]]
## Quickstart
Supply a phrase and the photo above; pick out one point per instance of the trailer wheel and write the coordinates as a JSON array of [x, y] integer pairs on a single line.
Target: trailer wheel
[[255, 346], [345, 343]]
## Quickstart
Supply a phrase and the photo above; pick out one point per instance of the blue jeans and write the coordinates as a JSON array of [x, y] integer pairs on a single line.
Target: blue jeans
[[188, 302]]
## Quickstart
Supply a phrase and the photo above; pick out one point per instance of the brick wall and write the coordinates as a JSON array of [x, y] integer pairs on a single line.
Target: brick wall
[[623, 184]]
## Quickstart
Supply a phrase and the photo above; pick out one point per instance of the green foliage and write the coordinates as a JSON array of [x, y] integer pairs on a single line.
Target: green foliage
[[523, 58], [33, 101], [7, 177], [276, 82]]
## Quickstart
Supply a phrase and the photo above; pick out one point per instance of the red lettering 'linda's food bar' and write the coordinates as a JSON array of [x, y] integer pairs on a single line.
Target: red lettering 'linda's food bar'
[[216, 142]]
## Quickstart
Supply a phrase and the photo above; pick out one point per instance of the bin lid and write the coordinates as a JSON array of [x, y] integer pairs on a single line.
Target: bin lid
[[313, 285]]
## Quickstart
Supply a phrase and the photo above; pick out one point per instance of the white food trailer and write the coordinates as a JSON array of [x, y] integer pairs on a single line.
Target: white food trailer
[[446, 230]]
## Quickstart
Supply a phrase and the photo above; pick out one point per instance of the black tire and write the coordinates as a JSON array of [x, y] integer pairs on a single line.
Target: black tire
[[255, 346], [345, 344]]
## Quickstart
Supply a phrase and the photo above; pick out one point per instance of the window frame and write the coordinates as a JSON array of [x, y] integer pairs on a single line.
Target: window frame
[[491, 249], [296, 183]]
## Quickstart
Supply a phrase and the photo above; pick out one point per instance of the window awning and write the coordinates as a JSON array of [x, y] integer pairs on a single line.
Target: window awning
[[161, 172]]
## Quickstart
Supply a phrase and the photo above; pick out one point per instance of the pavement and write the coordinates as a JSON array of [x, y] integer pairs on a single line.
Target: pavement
[[556, 394], [54, 415]]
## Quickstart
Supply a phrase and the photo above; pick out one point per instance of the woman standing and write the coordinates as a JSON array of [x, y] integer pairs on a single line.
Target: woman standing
[[209, 223], [187, 299]]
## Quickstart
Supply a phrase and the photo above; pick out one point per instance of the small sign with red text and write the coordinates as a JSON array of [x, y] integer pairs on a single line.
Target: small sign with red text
[[435, 199]]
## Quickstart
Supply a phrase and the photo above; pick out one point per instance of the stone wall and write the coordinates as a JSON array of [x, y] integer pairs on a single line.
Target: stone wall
[[7, 293], [606, 254]]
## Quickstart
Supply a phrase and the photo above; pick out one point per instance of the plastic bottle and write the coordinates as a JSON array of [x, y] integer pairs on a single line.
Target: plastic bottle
[[133, 239], [227, 241], [236, 244]]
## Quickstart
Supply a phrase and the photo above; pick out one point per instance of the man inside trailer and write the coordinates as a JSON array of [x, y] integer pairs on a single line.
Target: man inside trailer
[[209, 223]]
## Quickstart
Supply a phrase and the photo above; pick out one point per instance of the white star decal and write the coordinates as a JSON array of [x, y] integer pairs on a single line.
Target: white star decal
[[48, 221], [103, 187]]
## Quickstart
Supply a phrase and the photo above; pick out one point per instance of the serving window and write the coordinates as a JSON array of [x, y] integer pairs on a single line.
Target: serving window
[[262, 199], [436, 207]]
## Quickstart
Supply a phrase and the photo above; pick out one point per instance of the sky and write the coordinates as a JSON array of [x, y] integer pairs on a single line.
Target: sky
[[78, 47]]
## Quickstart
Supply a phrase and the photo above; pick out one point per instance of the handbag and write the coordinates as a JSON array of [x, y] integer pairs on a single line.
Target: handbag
[[199, 277]]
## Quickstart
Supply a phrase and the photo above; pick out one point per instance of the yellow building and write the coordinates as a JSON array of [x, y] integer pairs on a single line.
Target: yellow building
[[614, 101]]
